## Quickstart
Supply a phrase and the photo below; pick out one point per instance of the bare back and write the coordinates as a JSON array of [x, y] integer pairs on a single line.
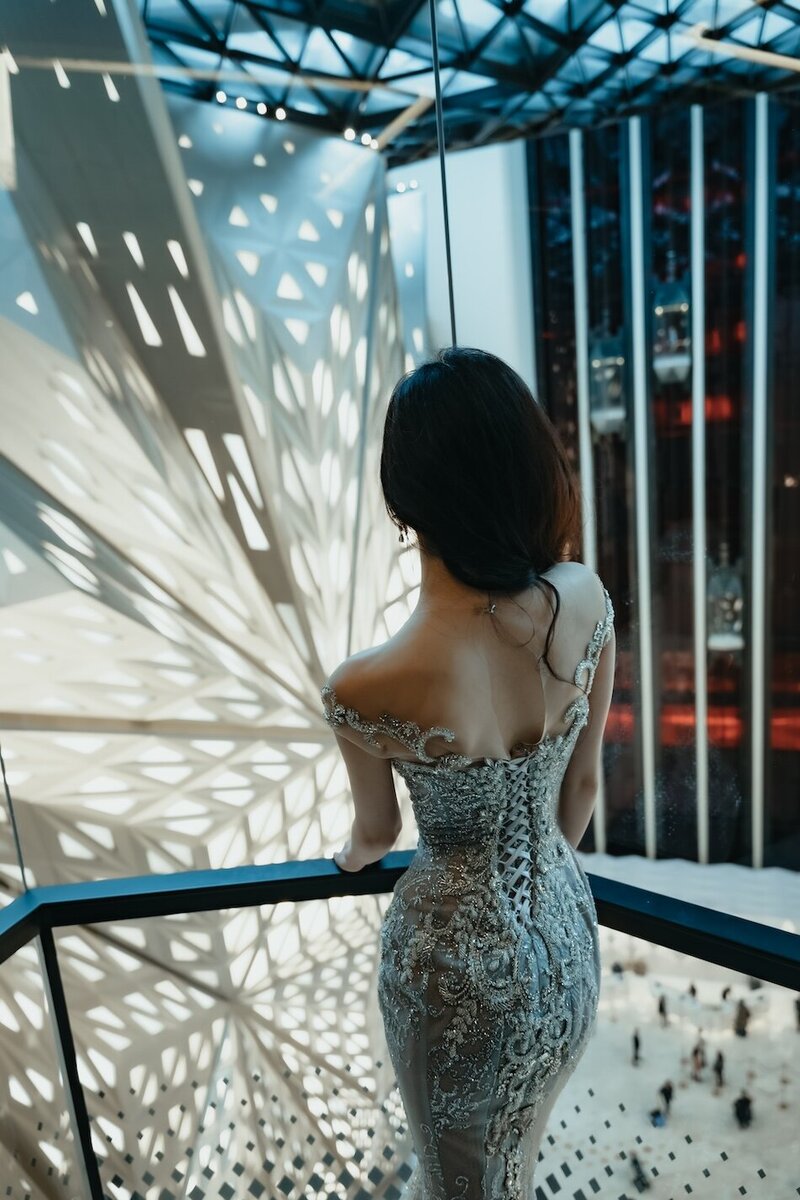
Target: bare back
[[482, 675]]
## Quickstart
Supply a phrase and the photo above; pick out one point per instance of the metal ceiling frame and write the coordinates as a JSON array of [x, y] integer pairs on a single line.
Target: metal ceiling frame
[[476, 116]]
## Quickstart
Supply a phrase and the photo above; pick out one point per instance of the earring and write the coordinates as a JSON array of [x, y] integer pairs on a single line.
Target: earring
[[403, 532]]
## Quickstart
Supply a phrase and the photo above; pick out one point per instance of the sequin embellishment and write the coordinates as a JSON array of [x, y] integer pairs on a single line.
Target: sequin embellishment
[[489, 960]]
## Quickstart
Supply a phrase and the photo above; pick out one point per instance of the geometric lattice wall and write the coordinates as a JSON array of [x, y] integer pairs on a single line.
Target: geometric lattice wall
[[199, 328]]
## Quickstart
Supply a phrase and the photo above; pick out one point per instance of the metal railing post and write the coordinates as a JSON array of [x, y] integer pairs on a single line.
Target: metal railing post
[[86, 1160]]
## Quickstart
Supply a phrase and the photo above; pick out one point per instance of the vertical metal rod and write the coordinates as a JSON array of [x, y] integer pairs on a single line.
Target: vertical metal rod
[[440, 136], [378, 229], [14, 828], [699, 555], [533, 193], [585, 451], [581, 295], [640, 311], [68, 1064], [521, 184], [758, 568]]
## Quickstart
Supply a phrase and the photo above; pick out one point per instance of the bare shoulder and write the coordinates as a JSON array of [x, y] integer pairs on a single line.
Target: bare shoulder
[[579, 586], [362, 680]]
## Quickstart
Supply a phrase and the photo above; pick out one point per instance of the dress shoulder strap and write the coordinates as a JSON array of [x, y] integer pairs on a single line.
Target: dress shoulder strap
[[408, 733], [585, 670]]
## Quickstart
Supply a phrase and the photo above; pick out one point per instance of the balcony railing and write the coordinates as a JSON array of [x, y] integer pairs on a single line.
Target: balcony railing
[[753, 949]]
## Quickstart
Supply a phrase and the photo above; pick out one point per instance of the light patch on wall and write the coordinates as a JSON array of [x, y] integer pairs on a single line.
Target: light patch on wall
[[318, 272], [256, 409], [7, 1018], [361, 360], [14, 565], [98, 833], [231, 321], [340, 330], [249, 260], [67, 482], [322, 383], [66, 529], [25, 300], [238, 452], [335, 217], [198, 443], [72, 848], [247, 313], [238, 217], [288, 288], [8, 157], [111, 88], [179, 258], [195, 186], [348, 419], [71, 568], [298, 329], [61, 74], [270, 202], [18, 1093], [190, 336], [254, 534], [283, 392], [307, 232], [88, 237], [81, 743], [147, 328], [132, 242]]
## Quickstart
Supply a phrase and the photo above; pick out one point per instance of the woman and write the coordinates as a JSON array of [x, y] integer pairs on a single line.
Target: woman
[[483, 702]]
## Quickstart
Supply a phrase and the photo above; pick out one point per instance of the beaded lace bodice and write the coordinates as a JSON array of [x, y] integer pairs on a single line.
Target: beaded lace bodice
[[489, 961]]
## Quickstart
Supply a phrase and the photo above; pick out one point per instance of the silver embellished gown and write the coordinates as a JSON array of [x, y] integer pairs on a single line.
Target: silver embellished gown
[[489, 962]]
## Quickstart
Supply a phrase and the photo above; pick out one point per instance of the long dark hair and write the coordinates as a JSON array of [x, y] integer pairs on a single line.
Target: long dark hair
[[474, 465]]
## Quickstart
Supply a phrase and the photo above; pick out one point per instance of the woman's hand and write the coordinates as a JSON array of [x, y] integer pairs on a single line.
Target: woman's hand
[[347, 859], [340, 858]]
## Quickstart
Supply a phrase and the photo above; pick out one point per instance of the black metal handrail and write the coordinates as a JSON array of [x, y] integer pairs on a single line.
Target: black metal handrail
[[746, 946], [730, 941]]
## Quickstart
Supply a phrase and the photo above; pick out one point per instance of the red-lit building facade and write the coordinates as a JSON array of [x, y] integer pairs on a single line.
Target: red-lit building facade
[[667, 301]]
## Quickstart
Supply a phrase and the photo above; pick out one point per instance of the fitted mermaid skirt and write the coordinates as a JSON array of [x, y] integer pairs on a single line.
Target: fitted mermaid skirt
[[488, 1000]]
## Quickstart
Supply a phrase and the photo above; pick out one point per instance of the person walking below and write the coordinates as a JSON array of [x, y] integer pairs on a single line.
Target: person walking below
[[743, 1109], [719, 1069], [636, 1046], [698, 1060], [639, 1177], [741, 1019], [666, 1091], [662, 1009]]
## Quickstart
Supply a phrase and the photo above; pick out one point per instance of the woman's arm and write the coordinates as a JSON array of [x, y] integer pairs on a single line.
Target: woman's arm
[[582, 776]]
